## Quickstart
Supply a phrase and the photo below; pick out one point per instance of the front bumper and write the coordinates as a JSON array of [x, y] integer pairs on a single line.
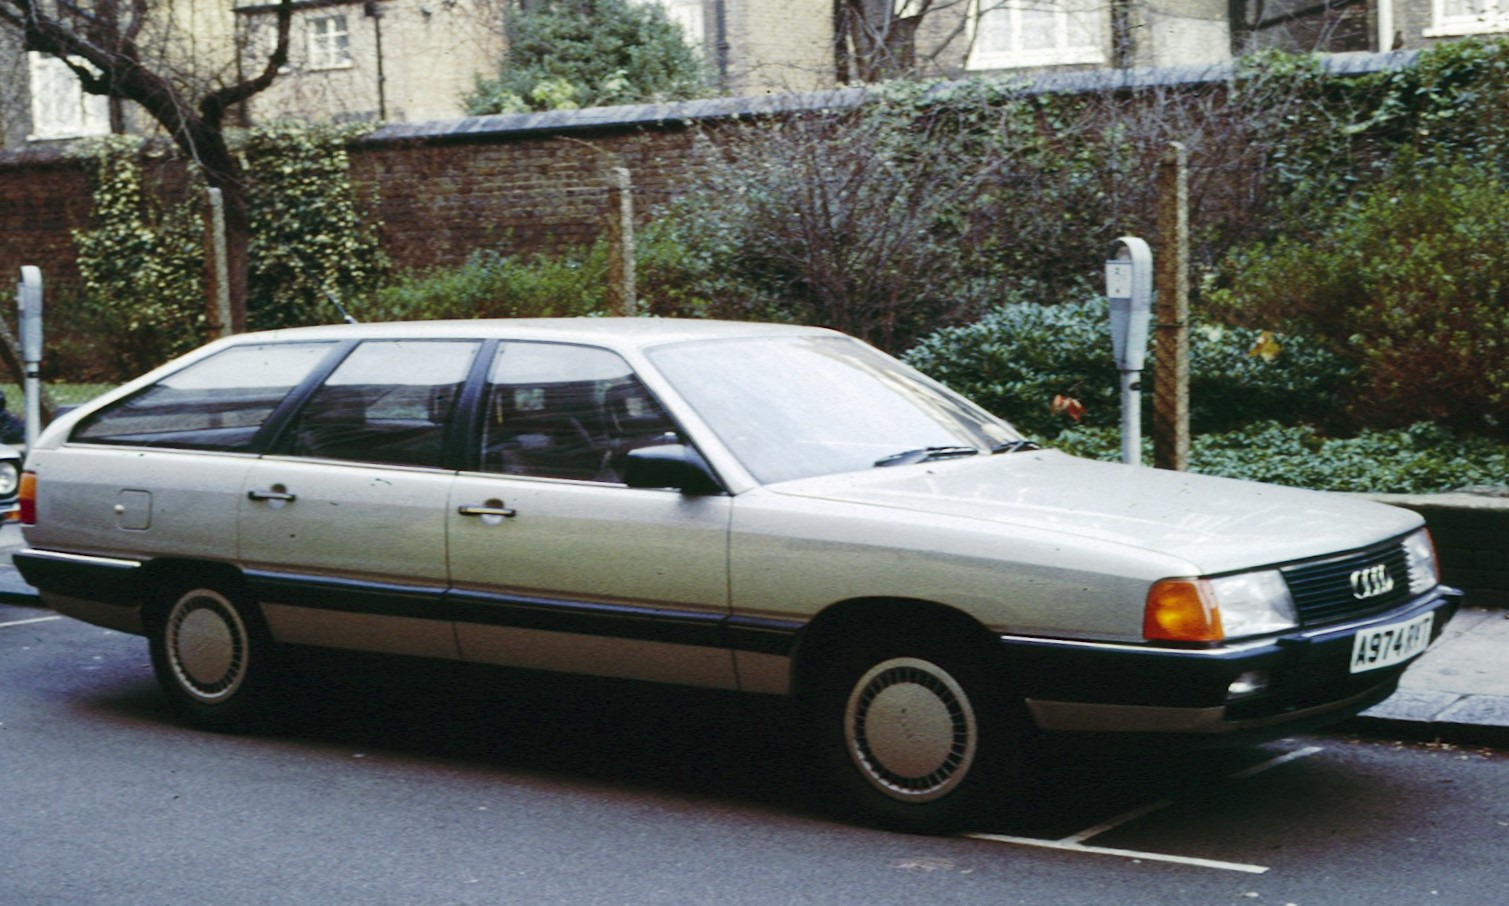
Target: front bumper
[[1088, 687]]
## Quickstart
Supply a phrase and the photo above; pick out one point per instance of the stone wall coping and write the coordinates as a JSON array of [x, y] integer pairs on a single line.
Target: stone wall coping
[[676, 113], [1495, 500], [500, 127]]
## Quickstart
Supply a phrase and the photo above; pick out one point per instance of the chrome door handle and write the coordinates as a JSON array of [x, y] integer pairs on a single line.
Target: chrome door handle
[[275, 492], [491, 508]]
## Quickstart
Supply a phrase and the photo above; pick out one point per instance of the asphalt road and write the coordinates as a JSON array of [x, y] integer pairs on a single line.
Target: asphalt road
[[393, 784]]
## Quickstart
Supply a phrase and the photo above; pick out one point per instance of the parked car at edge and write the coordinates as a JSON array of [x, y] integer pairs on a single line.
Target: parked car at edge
[[773, 509], [10, 483]]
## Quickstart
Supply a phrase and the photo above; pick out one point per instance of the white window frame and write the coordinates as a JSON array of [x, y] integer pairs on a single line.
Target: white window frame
[[1494, 18], [329, 42], [60, 108], [1068, 47]]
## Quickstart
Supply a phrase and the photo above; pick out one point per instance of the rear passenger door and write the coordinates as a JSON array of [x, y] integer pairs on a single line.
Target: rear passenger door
[[555, 563], [342, 527]]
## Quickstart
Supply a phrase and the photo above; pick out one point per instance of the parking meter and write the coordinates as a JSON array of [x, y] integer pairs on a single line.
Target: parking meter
[[1129, 289], [29, 301]]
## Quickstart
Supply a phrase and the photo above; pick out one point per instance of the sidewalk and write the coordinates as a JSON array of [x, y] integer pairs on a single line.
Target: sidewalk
[[1457, 692]]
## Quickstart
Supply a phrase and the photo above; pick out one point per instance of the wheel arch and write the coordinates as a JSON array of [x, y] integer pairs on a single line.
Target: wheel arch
[[858, 618], [160, 577]]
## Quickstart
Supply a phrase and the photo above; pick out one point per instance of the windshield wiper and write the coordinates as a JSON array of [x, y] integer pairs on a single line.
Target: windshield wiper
[[924, 454], [1016, 446]]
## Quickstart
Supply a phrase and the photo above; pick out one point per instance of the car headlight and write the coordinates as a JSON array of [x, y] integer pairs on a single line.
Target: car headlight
[[10, 478], [1420, 557], [1214, 610]]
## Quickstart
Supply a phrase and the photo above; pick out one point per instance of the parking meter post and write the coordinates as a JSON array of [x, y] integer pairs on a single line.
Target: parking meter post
[[1129, 290], [29, 301]]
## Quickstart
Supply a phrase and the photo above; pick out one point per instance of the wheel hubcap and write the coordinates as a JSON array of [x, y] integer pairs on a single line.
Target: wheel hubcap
[[207, 646], [911, 729]]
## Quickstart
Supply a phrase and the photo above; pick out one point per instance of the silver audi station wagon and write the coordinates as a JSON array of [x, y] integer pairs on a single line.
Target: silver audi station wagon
[[772, 509]]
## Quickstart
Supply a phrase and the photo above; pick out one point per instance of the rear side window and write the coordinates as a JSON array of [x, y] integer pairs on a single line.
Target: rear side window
[[218, 403], [388, 402]]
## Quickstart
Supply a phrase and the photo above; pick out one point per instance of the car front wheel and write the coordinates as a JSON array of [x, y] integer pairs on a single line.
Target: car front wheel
[[915, 738], [213, 657]]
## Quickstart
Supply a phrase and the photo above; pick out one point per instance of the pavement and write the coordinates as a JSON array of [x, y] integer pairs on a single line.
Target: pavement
[[1457, 692]]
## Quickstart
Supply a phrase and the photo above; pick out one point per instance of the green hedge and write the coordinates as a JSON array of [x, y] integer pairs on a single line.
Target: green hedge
[[1421, 459], [1020, 356]]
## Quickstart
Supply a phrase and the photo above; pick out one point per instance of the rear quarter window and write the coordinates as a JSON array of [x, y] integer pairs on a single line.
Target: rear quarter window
[[218, 403]]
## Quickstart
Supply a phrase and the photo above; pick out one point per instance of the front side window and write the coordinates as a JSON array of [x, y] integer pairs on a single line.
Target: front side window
[[329, 43], [389, 402], [554, 410], [59, 106], [217, 403], [1468, 17], [1015, 33]]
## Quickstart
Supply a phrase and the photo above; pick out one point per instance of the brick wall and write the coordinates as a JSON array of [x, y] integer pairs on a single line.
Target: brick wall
[[441, 190], [440, 201], [43, 198]]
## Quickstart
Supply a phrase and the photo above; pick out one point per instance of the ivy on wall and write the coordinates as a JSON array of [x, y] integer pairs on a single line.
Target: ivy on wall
[[142, 263], [311, 242], [143, 260]]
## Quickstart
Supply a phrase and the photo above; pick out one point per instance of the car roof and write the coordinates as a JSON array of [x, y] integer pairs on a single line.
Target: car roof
[[621, 333]]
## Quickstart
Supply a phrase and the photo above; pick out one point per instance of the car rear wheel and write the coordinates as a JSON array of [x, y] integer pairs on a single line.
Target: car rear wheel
[[915, 736], [212, 656]]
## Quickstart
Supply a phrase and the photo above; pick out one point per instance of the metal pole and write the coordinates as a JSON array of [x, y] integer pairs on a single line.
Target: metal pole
[[29, 298], [1131, 418]]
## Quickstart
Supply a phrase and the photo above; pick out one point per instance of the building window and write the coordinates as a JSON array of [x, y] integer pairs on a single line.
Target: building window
[[329, 43], [59, 106], [1467, 17], [1015, 33]]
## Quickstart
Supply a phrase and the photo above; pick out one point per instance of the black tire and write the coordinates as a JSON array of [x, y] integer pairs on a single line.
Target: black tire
[[213, 656], [916, 737]]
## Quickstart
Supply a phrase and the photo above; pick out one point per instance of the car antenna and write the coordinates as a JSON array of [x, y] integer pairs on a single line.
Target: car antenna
[[345, 315]]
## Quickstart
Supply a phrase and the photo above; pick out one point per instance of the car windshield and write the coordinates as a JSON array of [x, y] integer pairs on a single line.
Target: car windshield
[[796, 407]]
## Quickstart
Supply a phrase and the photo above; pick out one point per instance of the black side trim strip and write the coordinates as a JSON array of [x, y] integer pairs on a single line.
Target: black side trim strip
[[107, 581], [349, 595], [619, 621], [759, 635]]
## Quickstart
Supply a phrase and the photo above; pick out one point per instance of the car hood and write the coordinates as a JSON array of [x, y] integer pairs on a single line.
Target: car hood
[[1216, 524]]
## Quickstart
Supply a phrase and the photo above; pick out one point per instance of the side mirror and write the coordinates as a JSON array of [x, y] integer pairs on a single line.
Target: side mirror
[[670, 466]]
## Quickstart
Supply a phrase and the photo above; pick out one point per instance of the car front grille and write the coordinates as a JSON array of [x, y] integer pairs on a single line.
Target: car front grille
[[1352, 585]]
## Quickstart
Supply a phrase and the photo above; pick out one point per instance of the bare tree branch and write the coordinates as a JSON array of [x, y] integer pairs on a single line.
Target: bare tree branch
[[109, 47]]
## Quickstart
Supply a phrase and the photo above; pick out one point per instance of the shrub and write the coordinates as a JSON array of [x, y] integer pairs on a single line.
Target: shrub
[[1421, 459], [492, 285], [1411, 284], [1017, 358], [569, 53]]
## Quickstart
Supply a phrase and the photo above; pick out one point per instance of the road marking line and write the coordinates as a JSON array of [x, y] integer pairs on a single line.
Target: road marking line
[[1118, 821], [1076, 842], [24, 622], [1124, 853], [1287, 757]]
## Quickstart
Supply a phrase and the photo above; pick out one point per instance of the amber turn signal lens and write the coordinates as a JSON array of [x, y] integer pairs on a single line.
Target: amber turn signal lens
[[1182, 610]]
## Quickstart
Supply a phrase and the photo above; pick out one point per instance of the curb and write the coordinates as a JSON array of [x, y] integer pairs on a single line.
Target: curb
[[1465, 720]]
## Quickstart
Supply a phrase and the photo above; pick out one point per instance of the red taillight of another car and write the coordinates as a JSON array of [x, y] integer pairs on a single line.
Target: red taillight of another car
[[28, 498]]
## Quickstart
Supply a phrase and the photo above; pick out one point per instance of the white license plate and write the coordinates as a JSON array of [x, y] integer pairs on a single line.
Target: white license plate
[[1398, 642]]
